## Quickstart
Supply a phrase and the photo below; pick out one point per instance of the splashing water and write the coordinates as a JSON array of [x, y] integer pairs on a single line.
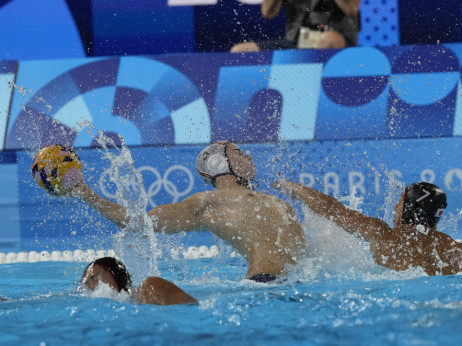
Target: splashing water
[[105, 291], [333, 252], [136, 244], [395, 188], [449, 222]]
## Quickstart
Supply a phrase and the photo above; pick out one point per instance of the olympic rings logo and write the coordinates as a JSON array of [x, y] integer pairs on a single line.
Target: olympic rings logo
[[160, 182], [453, 179]]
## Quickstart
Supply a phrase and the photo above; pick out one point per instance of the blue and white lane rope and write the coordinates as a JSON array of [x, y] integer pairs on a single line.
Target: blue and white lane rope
[[190, 252]]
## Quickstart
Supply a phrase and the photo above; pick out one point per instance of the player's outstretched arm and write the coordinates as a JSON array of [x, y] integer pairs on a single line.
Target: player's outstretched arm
[[111, 211], [330, 208], [169, 218], [181, 216]]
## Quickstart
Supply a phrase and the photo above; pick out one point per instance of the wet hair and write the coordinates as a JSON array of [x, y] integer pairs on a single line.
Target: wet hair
[[117, 269], [213, 162], [424, 204]]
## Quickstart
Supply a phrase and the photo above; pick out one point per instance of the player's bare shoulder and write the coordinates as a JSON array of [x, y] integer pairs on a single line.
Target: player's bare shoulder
[[203, 200], [277, 207]]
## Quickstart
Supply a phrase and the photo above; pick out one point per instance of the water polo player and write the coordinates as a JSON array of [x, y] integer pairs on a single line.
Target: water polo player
[[153, 290], [261, 227], [413, 241]]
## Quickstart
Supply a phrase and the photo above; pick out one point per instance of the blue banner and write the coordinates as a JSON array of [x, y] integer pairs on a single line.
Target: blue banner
[[402, 92]]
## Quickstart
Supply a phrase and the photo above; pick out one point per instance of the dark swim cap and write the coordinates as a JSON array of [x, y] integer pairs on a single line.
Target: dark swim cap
[[424, 204], [117, 269]]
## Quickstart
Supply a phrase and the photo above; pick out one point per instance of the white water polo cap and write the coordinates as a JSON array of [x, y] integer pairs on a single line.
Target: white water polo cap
[[213, 162]]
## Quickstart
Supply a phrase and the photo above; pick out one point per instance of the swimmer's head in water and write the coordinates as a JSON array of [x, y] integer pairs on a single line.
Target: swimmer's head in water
[[423, 204], [213, 162], [115, 267]]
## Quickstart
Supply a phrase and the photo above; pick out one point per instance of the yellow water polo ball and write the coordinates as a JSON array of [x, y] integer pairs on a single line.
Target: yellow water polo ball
[[57, 169]]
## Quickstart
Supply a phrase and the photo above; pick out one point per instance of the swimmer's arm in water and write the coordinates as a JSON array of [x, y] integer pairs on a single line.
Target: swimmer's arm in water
[[271, 8], [181, 216], [155, 290], [329, 207]]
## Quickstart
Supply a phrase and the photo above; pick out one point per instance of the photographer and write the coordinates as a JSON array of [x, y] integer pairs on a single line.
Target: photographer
[[320, 24]]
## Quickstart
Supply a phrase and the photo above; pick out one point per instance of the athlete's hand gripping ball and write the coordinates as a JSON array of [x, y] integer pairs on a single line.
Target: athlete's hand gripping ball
[[57, 169]]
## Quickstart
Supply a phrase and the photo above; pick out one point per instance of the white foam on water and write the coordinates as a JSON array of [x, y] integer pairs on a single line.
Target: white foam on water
[[333, 252], [105, 291]]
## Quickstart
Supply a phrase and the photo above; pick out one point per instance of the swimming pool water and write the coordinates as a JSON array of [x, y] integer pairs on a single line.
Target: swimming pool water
[[379, 308]]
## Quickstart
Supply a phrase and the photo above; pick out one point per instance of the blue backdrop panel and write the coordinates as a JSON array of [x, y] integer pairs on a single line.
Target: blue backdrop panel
[[38, 30], [127, 27], [430, 22], [9, 202], [405, 92], [339, 168]]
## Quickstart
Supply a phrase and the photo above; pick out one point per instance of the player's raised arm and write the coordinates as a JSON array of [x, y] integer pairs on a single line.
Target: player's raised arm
[[169, 218], [330, 208], [110, 210]]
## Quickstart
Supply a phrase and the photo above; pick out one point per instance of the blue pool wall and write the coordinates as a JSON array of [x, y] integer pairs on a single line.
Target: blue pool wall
[[341, 121]]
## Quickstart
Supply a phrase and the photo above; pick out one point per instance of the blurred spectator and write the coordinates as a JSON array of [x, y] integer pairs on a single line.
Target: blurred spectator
[[310, 24]]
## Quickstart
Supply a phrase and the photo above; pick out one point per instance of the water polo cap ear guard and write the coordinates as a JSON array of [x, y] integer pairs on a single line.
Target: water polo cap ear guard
[[424, 204], [213, 162]]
